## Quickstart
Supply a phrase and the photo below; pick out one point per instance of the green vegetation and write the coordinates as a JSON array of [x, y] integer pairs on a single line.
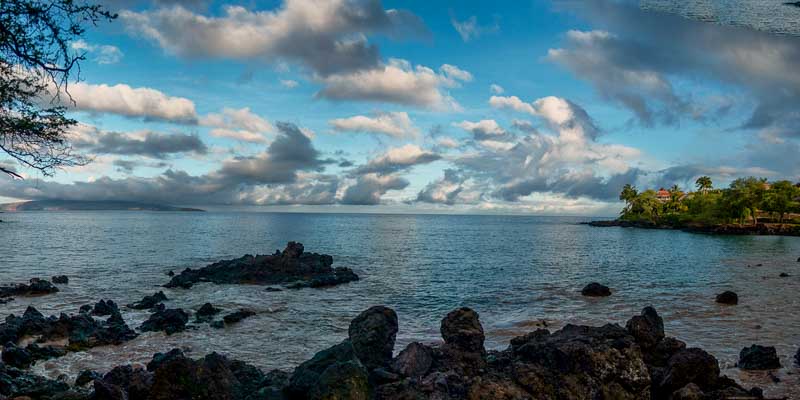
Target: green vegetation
[[747, 200]]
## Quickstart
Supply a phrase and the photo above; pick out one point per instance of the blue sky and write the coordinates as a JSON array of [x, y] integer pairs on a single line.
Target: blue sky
[[539, 107]]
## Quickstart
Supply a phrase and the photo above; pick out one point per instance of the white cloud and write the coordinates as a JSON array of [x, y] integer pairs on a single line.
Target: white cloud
[[288, 83], [496, 89], [103, 54], [394, 124], [326, 35], [239, 124], [470, 29], [398, 158], [485, 127], [398, 82], [130, 102]]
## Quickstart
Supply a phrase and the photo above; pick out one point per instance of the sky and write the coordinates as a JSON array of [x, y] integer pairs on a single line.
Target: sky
[[519, 107]]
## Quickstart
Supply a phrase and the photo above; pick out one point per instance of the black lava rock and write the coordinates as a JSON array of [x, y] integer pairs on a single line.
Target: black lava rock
[[169, 321], [237, 316], [758, 357], [60, 279], [728, 297], [149, 302], [595, 289], [206, 312]]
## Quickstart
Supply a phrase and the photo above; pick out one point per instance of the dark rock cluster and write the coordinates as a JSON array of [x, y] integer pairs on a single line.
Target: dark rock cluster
[[758, 357], [81, 331], [577, 362], [34, 287], [292, 267]]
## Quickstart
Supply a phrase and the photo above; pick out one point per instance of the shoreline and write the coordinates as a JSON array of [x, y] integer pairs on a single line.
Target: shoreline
[[760, 229]]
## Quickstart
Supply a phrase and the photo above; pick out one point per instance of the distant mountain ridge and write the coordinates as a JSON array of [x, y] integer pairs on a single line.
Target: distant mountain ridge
[[80, 205]]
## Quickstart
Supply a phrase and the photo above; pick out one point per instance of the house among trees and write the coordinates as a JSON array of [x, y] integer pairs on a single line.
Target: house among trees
[[663, 195]]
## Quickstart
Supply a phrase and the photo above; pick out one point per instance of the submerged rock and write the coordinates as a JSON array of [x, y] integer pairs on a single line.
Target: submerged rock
[[86, 377], [237, 316], [169, 321], [34, 287], [17, 384], [595, 289], [728, 297], [206, 312], [758, 357], [292, 266], [60, 279], [149, 302]]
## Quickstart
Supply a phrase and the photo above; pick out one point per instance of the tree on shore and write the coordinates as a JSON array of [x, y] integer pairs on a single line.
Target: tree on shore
[[703, 184], [780, 199], [628, 195], [36, 66], [750, 193]]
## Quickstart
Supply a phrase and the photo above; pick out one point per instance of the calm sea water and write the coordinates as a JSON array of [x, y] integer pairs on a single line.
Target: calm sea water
[[767, 15], [515, 271]]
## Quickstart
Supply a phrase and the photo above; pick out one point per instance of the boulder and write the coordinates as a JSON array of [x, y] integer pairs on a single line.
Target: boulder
[[169, 321], [206, 312], [16, 357], [758, 357], [104, 308], [414, 361], [238, 316], [318, 377], [783, 275], [372, 334], [797, 358], [135, 383], [149, 302], [728, 297], [86, 377], [60, 279], [647, 328], [595, 289], [291, 266], [687, 366], [462, 329]]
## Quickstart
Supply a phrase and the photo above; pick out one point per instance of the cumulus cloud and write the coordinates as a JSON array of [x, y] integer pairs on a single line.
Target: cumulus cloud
[[568, 160], [290, 164], [369, 188], [143, 143], [394, 124], [398, 159], [639, 60], [124, 100], [328, 36], [289, 83], [445, 190], [486, 129], [239, 124], [102, 54], [469, 28], [398, 82], [496, 89]]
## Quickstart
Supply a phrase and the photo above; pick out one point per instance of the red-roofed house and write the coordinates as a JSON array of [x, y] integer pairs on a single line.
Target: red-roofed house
[[663, 195]]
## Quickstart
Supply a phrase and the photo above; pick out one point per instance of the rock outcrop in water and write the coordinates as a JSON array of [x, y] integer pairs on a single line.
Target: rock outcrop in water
[[149, 302], [78, 332], [758, 357], [35, 287], [292, 267], [169, 321], [595, 289], [576, 362], [728, 297]]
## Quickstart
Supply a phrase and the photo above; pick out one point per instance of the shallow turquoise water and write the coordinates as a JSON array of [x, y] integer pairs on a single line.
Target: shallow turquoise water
[[515, 271]]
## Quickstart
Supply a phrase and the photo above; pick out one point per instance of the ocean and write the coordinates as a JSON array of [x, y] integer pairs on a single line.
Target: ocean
[[766, 15], [517, 272]]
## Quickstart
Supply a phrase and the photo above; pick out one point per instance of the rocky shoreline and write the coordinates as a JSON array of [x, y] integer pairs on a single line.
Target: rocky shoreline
[[576, 362], [726, 229]]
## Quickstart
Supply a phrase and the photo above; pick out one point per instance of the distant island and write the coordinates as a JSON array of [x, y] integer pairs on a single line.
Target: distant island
[[80, 205], [748, 206]]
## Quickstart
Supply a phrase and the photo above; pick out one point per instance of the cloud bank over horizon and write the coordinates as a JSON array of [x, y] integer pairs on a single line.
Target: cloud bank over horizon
[[356, 103]]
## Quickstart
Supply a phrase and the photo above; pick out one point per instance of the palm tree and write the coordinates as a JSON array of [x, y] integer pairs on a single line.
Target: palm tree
[[703, 184], [628, 195]]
